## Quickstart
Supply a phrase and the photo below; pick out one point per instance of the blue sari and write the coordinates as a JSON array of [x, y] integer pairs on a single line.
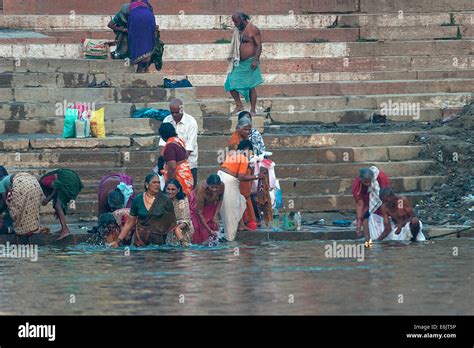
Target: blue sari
[[141, 31]]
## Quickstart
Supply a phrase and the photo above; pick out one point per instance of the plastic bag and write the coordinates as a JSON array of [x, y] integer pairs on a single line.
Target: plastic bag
[[69, 130], [278, 196], [95, 48], [97, 123]]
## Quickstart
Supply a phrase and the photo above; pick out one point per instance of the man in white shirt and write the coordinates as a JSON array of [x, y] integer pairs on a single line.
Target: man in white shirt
[[187, 129]]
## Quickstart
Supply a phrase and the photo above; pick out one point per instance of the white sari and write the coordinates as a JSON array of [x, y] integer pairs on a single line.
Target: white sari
[[233, 205]]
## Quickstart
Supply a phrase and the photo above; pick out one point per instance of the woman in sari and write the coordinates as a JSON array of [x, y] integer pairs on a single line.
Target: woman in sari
[[249, 221], [62, 186], [204, 204], [176, 158], [232, 173], [22, 195], [137, 35], [181, 208], [153, 216], [115, 192]]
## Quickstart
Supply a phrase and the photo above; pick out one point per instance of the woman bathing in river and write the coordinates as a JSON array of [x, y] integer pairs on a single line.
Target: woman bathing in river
[[153, 215]]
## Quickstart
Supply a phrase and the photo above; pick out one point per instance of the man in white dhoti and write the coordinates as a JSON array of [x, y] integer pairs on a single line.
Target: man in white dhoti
[[399, 220]]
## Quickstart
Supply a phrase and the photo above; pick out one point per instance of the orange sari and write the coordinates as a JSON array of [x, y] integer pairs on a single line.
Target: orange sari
[[183, 170], [245, 186]]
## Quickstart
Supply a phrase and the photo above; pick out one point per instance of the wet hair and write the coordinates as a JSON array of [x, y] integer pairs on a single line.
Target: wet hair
[[115, 199], [243, 16], [167, 131], [244, 121], [245, 114], [180, 195], [149, 178], [213, 179], [245, 144], [386, 192], [366, 173], [3, 172], [106, 224]]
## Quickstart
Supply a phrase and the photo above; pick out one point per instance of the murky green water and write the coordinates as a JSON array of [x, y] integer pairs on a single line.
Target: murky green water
[[269, 278]]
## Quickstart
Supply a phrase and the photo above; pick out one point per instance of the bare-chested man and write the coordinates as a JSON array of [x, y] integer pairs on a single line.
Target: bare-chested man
[[244, 73], [405, 225]]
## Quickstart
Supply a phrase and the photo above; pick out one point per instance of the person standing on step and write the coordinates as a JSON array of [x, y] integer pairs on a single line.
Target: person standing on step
[[244, 73], [187, 129]]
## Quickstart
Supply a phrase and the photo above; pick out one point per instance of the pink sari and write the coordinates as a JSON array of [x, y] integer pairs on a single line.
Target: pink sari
[[201, 236]]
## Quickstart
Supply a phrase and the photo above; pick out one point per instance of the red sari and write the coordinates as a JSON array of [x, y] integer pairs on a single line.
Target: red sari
[[183, 171]]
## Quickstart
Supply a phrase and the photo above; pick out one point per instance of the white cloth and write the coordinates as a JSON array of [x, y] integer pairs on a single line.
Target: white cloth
[[374, 190], [376, 228], [187, 129], [234, 53], [233, 205]]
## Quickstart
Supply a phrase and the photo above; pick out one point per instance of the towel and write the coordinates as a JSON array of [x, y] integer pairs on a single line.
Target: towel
[[374, 190], [234, 53]]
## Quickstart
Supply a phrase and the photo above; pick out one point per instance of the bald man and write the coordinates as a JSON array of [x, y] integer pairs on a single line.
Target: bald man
[[244, 73], [187, 129]]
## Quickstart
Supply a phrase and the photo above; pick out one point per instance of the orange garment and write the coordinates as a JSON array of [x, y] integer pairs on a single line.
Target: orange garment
[[234, 140], [236, 163], [183, 170], [245, 186]]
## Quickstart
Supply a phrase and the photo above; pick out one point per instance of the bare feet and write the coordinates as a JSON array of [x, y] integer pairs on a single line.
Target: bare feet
[[64, 234], [238, 108], [253, 113]]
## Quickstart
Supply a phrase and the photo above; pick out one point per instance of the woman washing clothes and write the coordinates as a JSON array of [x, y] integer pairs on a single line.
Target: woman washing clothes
[[22, 195], [204, 204], [244, 128], [233, 171]]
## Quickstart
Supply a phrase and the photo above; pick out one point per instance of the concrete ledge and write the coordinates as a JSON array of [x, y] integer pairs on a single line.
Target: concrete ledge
[[79, 143]]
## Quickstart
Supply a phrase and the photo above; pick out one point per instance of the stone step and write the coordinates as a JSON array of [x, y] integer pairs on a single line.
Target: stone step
[[424, 65], [410, 33], [78, 80], [222, 107], [422, 6], [287, 20], [179, 52], [301, 171], [94, 95], [124, 126], [311, 187], [167, 23], [183, 7], [355, 116], [345, 88], [22, 143], [188, 36], [219, 78], [277, 50], [315, 203], [121, 157]]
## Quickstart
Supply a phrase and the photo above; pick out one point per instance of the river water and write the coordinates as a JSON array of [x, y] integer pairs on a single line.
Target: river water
[[283, 278]]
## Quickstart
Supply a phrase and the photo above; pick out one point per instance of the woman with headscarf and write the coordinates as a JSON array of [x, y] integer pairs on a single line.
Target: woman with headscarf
[[181, 208], [244, 127], [22, 195], [62, 186], [176, 158], [232, 172], [204, 204], [153, 216]]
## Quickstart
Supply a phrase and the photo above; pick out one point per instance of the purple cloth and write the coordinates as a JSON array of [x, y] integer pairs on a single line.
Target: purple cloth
[[141, 32]]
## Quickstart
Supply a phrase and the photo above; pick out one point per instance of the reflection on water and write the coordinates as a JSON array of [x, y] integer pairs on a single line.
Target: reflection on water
[[253, 279]]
